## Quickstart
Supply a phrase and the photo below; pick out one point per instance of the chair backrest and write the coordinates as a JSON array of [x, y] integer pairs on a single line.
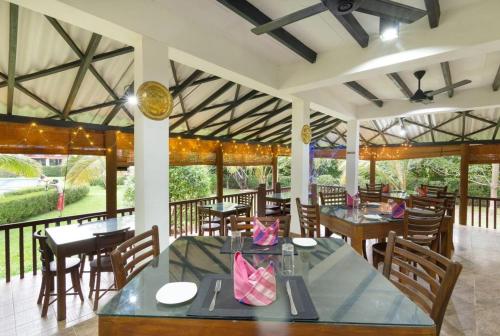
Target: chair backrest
[[130, 257], [422, 226], [434, 189], [245, 199], [46, 255], [425, 276], [309, 219], [333, 198], [89, 219], [450, 199], [428, 203], [106, 242], [245, 224], [366, 195], [374, 187]]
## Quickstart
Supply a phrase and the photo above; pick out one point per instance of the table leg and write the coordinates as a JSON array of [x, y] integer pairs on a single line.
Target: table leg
[[448, 240], [224, 225], [61, 288], [357, 243]]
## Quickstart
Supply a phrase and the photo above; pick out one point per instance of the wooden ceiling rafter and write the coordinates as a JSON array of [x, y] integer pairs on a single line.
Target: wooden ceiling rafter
[[363, 92], [11, 74]]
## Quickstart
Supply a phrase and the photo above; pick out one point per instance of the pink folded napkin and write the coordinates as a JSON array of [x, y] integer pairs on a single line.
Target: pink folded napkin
[[265, 236], [350, 200], [398, 210], [256, 287]]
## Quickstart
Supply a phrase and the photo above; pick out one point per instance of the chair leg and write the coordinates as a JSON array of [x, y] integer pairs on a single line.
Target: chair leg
[[42, 289], [91, 283], [364, 249], [82, 264], [376, 259], [97, 291], [75, 279], [46, 298]]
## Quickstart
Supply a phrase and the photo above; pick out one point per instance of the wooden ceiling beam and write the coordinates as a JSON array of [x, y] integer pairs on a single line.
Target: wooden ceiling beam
[[208, 122], [277, 111], [253, 15], [220, 91], [400, 84], [11, 79], [180, 88], [69, 65], [496, 82], [245, 115], [495, 132], [363, 92], [429, 120], [445, 69], [433, 12], [114, 111], [233, 109]]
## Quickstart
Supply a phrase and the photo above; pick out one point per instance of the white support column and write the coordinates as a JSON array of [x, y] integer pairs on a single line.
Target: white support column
[[352, 156], [300, 160], [151, 145]]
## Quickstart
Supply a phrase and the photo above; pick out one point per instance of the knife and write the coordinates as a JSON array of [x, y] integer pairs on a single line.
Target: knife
[[293, 310]]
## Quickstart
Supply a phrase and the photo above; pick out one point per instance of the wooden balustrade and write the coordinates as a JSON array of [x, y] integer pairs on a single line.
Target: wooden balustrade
[[483, 211]]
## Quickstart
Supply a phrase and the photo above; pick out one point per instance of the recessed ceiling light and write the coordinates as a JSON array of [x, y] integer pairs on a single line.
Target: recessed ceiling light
[[389, 33], [132, 100]]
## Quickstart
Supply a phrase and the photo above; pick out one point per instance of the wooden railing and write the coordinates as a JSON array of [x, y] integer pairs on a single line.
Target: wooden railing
[[28, 228], [483, 211]]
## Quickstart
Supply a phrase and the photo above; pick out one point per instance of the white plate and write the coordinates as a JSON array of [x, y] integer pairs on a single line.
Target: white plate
[[176, 292], [305, 242], [372, 204], [372, 217]]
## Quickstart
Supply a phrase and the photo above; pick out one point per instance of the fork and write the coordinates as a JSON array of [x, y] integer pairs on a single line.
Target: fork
[[218, 285]]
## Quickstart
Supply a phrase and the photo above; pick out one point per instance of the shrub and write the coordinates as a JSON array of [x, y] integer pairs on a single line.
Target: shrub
[[327, 180], [54, 171], [24, 191], [98, 182], [16, 208]]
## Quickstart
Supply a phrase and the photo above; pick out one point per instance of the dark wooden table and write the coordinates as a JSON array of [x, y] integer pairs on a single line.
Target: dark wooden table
[[66, 241], [225, 209], [351, 223], [350, 296]]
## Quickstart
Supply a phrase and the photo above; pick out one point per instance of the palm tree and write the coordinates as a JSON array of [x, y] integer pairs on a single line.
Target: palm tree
[[20, 165], [82, 169]]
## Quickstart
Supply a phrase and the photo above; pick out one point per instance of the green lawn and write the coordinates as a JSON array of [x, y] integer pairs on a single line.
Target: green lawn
[[95, 201]]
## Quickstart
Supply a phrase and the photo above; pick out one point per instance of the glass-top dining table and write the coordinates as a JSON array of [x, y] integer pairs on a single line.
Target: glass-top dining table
[[349, 295]]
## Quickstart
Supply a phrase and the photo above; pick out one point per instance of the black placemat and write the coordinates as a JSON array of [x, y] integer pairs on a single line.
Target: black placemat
[[250, 247], [226, 306]]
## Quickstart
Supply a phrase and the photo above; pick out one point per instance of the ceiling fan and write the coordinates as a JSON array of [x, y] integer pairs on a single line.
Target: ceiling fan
[[343, 9], [427, 97]]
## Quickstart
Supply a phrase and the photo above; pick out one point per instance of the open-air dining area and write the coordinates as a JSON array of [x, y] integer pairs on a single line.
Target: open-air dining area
[[249, 167]]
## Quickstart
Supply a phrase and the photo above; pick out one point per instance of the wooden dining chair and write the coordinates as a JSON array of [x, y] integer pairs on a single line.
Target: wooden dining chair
[[374, 187], [106, 242], [433, 189], [90, 256], [450, 200], [246, 203], [245, 224], [426, 277], [308, 219], [130, 257], [333, 198], [419, 227], [208, 222], [49, 272], [427, 203], [366, 195]]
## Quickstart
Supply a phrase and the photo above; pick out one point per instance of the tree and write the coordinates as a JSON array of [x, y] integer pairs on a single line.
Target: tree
[[20, 165], [85, 168]]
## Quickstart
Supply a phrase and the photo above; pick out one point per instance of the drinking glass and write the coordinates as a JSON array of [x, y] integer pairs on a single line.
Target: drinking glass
[[236, 241], [287, 259]]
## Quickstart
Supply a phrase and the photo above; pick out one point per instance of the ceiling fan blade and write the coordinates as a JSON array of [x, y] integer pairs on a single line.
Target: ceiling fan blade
[[354, 28], [290, 18], [447, 88], [391, 10]]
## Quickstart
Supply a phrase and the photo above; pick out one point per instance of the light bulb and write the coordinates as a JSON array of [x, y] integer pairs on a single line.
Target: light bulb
[[390, 33], [132, 100]]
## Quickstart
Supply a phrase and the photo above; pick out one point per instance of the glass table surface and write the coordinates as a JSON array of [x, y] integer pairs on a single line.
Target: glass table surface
[[279, 196], [223, 207], [343, 286]]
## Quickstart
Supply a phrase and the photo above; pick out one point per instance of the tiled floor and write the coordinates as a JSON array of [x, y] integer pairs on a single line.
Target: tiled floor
[[474, 308]]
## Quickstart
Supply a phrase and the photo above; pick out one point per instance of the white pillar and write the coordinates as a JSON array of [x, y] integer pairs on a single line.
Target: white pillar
[[151, 145], [300, 160], [352, 156]]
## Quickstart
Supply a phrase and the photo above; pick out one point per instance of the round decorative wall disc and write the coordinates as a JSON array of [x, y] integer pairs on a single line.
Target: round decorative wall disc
[[155, 100], [306, 134]]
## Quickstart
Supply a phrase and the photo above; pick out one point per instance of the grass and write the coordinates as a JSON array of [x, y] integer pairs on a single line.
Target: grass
[[95, 201]]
